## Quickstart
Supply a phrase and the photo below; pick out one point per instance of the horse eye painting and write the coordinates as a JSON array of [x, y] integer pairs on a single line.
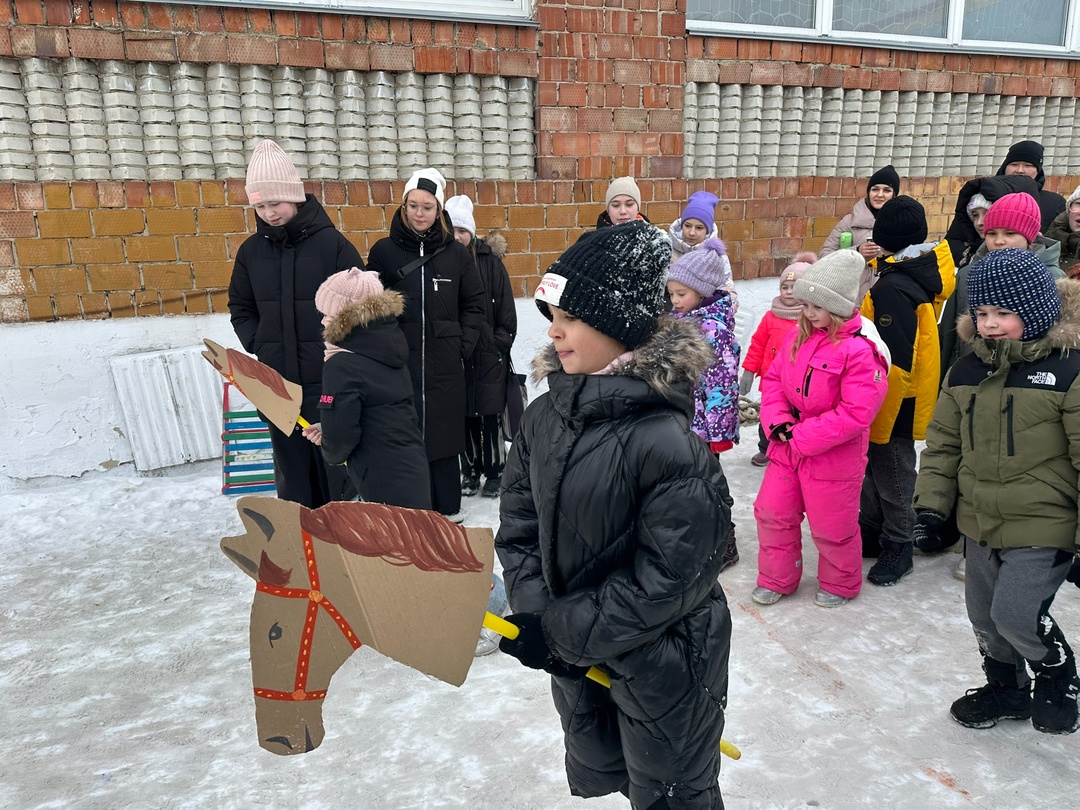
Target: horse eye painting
[[407, 583]]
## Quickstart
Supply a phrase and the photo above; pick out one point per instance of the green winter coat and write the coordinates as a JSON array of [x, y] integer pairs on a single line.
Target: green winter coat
[[1005, 437], [1069, 240]]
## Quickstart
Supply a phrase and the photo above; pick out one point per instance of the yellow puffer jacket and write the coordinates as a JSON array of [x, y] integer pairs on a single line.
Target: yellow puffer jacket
[[905, 305]]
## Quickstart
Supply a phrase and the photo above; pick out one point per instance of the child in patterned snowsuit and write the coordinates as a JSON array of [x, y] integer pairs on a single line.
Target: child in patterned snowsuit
[[694, 286], [821, 396]]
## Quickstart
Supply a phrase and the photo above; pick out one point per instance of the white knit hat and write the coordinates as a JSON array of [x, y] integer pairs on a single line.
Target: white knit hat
[[341, 289], [428, 180], [272, 177], [623, 185], [833, 282], [978, 201], [460, 210], [1073, 197]]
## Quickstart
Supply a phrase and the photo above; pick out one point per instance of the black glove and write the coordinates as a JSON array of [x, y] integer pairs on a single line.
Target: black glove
[[531, 647], [927, 531], [1074, 571], [783, 432]]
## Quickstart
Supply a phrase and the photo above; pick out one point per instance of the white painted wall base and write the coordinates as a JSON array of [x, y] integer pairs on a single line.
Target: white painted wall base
[[61, 410]]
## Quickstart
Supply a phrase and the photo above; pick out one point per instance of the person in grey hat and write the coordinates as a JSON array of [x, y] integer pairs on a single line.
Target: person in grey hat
[[822, 392]]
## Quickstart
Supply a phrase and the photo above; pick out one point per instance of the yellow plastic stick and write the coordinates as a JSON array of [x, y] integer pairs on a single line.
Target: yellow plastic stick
[[504, 628]]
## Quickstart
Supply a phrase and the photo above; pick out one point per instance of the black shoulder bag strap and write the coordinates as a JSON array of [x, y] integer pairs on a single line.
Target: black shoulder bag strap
[[414, 264]]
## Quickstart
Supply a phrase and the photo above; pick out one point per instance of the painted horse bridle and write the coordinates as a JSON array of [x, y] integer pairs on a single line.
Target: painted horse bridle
[[316, 600]]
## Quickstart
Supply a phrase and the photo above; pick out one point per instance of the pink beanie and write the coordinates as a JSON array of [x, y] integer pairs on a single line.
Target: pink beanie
[[272, 177], [799, 265], [342, 289], [1016, 212]]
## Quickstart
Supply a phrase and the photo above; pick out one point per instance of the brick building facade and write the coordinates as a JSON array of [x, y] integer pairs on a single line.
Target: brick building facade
[[609, 81]]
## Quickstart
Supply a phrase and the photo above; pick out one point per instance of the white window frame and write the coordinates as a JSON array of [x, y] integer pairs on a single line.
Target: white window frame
[[952, 42], [512, 12]]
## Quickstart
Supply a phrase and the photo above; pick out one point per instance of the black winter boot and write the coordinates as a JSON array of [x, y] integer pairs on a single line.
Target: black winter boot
[[1054, 709], [731, 553], [893, 565], [1000, 699]]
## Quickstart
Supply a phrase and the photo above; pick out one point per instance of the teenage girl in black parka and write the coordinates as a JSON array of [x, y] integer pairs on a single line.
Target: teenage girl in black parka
[[444, 308], [294, 249]]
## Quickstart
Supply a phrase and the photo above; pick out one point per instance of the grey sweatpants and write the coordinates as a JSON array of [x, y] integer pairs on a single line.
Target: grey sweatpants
[[1008, 594]]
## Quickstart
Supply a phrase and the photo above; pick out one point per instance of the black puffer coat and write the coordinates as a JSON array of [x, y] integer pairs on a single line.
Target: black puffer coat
[[486, 369], [366, 408], [962, 237], [272, 294], [613, 522], [444, 308]]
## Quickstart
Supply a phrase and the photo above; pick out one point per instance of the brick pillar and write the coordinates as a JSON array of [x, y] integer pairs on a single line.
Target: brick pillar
[[610, 89]]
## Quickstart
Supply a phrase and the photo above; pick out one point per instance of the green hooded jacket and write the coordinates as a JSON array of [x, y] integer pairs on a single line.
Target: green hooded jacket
[[1004, 442]]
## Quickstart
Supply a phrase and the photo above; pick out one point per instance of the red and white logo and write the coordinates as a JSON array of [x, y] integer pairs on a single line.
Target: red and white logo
[[550, 289]]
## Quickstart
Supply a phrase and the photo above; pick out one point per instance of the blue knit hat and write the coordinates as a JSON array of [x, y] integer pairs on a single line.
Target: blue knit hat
[[702, 206], [1018, 281], [701, 270]]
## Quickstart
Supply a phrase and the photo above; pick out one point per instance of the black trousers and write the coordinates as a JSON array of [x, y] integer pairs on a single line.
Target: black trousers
[[445, 485], [301, 475], [485, 452]]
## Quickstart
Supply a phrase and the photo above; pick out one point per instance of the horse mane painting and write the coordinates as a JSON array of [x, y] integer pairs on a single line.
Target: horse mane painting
[[408, 583]]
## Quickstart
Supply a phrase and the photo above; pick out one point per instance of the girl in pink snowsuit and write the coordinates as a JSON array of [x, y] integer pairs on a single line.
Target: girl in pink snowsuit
[[820, 396]]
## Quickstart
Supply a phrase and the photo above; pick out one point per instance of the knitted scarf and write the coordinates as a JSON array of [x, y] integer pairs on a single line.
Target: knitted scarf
[[782, 310]]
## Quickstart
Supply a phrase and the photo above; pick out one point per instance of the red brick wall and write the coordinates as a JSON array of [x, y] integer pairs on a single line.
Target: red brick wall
[[609, 102]]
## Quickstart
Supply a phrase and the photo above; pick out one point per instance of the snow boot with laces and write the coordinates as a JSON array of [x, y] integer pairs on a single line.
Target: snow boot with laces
[[1054, 709], [893, 565], [1000, 699]]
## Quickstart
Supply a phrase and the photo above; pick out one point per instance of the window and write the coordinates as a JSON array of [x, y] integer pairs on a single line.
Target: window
[[1025, 27], [494, 11]]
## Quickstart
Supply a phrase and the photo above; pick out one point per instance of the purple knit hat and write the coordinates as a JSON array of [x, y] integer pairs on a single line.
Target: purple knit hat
[[701, 270], [702, 206]]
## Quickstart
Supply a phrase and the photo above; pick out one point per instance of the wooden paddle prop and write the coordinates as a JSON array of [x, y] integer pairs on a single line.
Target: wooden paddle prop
[[406, 582], [275, 397], [504, 628]]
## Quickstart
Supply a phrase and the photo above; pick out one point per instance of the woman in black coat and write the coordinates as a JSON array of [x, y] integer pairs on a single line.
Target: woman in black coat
[[294, 249], [444, 310], [486, 371]]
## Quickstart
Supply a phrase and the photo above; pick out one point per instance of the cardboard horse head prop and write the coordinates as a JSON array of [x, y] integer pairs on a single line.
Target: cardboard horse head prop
[[408, 583]]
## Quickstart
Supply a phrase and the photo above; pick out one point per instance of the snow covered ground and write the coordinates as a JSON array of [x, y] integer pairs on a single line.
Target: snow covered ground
[[123, 650]]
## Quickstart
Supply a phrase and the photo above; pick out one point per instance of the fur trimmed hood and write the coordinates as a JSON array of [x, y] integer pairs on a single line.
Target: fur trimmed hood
[[1064, 334], [358, 314], [676, 355], [496, 242]]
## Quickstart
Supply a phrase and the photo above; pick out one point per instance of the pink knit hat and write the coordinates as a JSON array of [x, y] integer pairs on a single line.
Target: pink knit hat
[[1017, 212], [342, 289], [799, 265], [272, 177]]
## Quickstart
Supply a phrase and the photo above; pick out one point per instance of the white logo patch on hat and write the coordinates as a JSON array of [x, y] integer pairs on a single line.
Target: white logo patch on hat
[[550, 289]]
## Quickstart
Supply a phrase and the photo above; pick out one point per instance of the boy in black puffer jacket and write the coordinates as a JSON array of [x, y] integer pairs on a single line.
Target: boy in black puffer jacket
[[294, 249], [368, 419], [613, 524]]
